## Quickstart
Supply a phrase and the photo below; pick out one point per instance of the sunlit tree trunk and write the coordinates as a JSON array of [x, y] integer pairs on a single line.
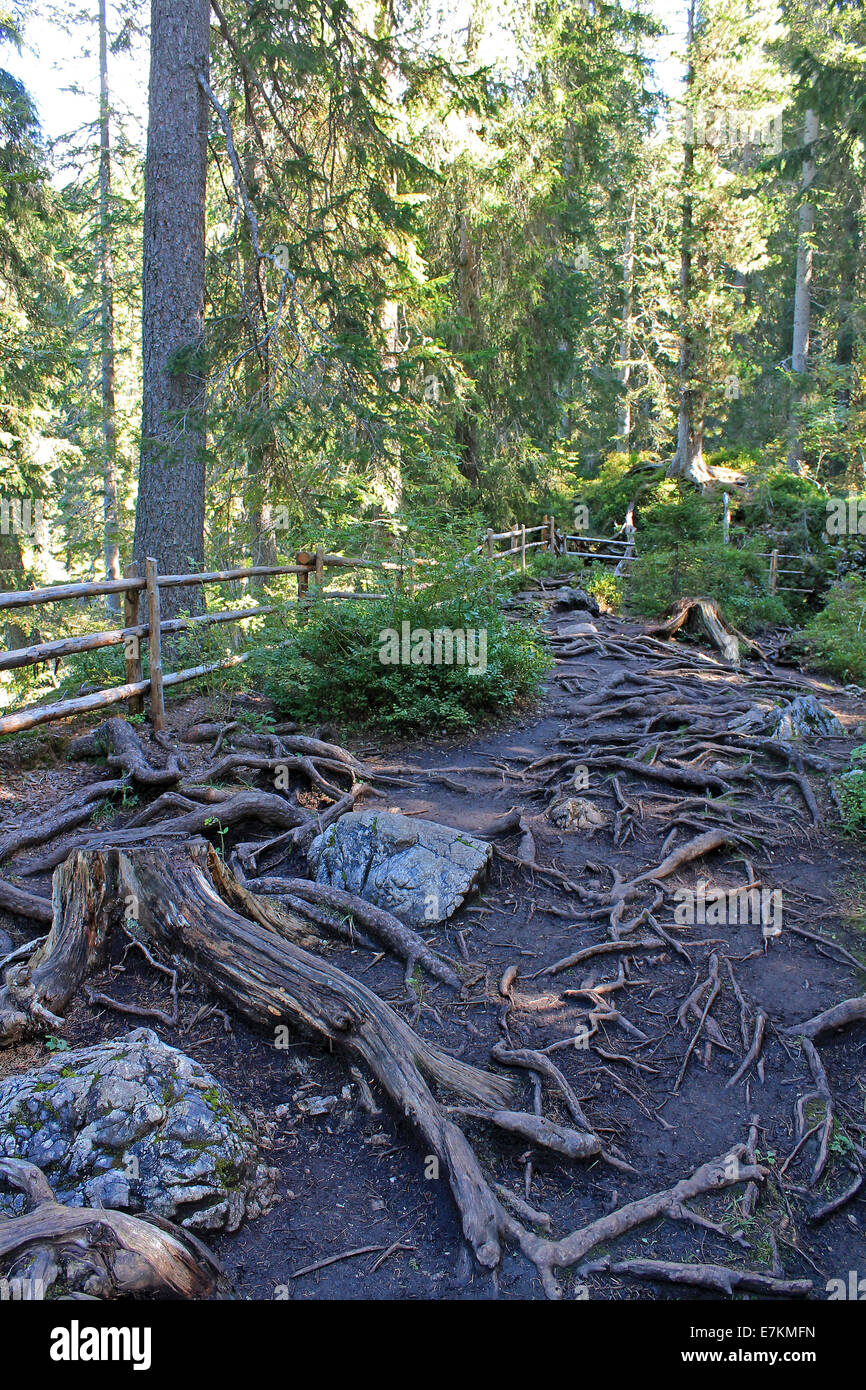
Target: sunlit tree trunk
[[688, 461], [624, 429], [263, 546], [169, 521], [106, 277], [803, 289]]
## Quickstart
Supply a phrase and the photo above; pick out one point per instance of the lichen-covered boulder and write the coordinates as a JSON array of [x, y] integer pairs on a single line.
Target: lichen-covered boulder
[[138, 1126], [417, 869], [803, 717]]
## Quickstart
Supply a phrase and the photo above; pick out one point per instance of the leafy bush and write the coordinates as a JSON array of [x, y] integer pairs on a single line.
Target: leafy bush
[[851, 787], [329, 662], [736, 579], [543, 564], [606, 587], [836, 637]]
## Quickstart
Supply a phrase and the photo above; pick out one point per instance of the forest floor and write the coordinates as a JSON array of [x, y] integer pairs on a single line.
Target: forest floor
[[352, 1177]]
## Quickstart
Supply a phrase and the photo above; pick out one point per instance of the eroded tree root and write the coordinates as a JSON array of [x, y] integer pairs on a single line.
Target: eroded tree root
[[106, 1254]]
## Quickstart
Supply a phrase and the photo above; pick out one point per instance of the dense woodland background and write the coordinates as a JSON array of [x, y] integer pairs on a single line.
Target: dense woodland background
[[365, 271]]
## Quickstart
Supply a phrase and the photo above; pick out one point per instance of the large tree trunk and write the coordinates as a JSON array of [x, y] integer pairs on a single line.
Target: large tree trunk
[[169, 522], [624, 427], [468, 296], [846, 334], [803, 288], [111, 551], [688, 461], [257, 371]]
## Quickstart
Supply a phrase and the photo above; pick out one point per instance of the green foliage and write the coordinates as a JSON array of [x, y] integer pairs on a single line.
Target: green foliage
[[736, 579], [606, 587], [835, 638], [851, 789], [328, 665]]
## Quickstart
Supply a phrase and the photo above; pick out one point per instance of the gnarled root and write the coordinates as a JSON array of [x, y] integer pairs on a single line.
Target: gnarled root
[[107, 1254]]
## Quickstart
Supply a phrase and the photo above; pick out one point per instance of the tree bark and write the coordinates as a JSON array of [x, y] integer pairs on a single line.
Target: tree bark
[[169, 523], [257, 371], [111, 552], [846, 334], [688, 461], [468, 294], [624, 430], [803, 288]]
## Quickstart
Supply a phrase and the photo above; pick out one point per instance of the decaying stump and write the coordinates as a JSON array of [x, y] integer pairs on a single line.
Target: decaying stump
[[705, 612]]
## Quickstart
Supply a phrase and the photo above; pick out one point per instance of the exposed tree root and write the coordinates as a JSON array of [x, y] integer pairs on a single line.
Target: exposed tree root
[[118, 743], [187, 904], [106, 1254], [25, 904], [850, 1011], [718, 1277], [406, 944], [66, 817], [263, 807]]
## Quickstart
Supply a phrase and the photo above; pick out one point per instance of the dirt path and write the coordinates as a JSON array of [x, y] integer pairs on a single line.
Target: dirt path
[[351, 1179]]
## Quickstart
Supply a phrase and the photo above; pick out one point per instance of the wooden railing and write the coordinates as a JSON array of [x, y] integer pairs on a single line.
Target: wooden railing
[[309, 566]]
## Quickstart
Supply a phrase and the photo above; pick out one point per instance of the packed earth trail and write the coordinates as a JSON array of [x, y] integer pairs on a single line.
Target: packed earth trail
[[630, 1066]]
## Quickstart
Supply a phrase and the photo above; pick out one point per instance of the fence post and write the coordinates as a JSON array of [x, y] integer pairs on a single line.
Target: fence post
[[157, 700], [490, 542], [134, 671], [320, 566], [523, 547], [774, 570], [552, 541], [726, 518], [302, 558]]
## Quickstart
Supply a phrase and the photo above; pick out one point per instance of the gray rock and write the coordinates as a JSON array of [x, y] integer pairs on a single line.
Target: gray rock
[[803, 717], [577, 598], [417, 869], [136, 1125]]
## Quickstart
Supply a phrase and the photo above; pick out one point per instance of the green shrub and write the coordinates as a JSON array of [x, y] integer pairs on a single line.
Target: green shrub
[[835, 638], [736, 579], [606, 587], [544, 564], [329, 664], [851, 787]]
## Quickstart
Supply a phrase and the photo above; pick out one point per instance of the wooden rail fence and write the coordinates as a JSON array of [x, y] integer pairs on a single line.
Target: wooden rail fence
[[310, 565]]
